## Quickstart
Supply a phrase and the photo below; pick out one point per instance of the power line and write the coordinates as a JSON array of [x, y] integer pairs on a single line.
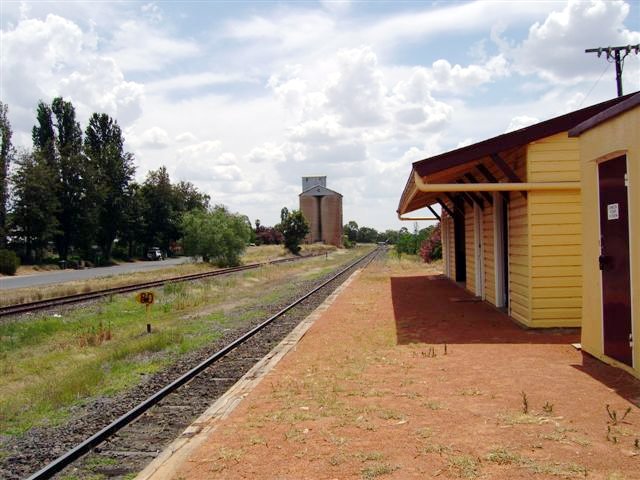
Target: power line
[[615, 54], [596, 83]]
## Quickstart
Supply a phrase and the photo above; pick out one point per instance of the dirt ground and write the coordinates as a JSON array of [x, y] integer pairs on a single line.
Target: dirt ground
[[405, 376]]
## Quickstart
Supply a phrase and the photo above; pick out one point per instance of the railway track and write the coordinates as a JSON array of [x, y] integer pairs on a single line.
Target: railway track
[[125, 445], [82, 297]]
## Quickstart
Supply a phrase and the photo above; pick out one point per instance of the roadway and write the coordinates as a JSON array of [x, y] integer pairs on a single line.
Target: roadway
[[62, 276]]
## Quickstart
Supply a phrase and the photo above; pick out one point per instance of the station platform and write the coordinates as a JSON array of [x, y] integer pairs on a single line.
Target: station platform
[[402, 374]]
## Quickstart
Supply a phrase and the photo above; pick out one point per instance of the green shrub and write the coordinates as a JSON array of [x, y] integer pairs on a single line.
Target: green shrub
[[347, 243], [9, 262]]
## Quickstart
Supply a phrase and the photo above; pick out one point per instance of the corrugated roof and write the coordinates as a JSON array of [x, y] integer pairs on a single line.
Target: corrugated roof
[[512, 139], [410, 201], [601, 117]]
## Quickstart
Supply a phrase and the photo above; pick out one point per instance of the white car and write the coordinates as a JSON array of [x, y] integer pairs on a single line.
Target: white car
[[154, 253]]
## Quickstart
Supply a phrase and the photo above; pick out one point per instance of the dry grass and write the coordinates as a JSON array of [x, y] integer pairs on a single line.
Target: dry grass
[[50, 362], [252, 255]]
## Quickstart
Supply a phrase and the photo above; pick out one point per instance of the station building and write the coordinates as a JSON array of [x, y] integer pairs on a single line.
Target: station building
[[322, 207], [610, 175], [521, 221]]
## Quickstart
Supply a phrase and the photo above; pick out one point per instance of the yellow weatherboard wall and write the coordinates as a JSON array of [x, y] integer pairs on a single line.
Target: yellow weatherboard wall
[[614, 137], [555, 233], [545, 238]]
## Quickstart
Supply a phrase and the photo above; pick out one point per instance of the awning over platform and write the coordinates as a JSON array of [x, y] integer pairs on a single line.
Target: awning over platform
[[476, 170]]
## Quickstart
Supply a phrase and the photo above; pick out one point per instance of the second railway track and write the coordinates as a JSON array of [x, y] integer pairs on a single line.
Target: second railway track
[[82, 297], [184, 398]]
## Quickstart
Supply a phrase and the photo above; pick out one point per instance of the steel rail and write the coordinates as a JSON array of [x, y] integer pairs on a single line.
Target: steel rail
[[61, 462], [80, 297]]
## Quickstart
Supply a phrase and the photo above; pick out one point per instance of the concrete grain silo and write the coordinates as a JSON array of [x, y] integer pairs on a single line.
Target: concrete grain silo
[[322, 207]]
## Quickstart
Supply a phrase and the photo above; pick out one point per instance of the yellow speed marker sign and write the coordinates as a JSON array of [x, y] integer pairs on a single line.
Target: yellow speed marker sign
[[146, 298]]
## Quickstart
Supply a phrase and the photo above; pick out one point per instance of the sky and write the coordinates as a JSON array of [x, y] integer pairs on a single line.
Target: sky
[[244, 98]]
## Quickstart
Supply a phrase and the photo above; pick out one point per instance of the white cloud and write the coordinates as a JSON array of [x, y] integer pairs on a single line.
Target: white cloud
[[139, 47], [199, 150], [269, 153], [155, 138], [521, 121], [554, 49], [357, 92], [152, 11], [184, 83], [186, 137], [41, 59]]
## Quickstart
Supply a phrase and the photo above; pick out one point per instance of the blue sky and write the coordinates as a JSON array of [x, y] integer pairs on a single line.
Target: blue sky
[[243, 98]]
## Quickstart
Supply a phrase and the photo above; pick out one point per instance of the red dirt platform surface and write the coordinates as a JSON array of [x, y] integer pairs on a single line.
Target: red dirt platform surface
[[406, 376]]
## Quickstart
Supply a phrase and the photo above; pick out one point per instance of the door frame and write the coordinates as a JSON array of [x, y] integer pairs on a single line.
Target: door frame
[[478, 250], [598, 162]]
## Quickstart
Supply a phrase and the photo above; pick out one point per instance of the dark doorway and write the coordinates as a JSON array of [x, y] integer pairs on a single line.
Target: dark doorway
[[459, 236], [505, 249], [501, 249], [614, 259]]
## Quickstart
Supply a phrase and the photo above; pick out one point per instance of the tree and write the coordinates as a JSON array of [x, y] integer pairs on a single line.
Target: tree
[[59, 145], [217, 235], [388, 236], [188, 197], [367, 235], [44, 137], [75, 193], [6, 157], [159, 210], [294, 228], [112, 171], [134, 224], [351, 231], [267, 235], [33, 216]]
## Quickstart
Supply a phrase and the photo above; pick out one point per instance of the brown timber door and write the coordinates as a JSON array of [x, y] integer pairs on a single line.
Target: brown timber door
[[614, 259]]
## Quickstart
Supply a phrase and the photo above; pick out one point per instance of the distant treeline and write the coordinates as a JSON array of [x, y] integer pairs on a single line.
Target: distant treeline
[[425, 242], [73, 193]]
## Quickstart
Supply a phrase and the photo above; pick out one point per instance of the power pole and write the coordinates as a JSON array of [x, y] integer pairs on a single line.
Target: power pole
[[614, 52]]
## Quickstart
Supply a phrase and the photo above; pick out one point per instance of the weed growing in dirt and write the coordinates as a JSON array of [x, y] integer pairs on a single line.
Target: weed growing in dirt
[[337, 459], [464, 466], [438, 448], [502, 456], [471, 392], [377, 470], [432, 405], [525, 403], [560, 434], [547, 408], [370, 456], [613, 415]]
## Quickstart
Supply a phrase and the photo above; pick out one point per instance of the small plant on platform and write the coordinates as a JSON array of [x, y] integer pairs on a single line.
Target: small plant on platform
[[377, 470], [525, 403], [613, 415], [465, 466]]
